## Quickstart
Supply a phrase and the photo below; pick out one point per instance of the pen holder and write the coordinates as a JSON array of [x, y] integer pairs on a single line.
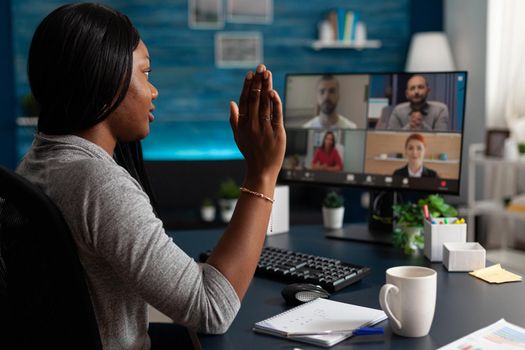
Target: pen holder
[[440, 232]]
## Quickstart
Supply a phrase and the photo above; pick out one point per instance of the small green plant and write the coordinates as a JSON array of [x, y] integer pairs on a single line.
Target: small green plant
[[333, 200], [409, 220], [408, 215], [207, 202], [228, 189], [437, 206]]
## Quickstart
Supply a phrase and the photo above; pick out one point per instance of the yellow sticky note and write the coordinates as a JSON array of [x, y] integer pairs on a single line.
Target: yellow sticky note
[[496, 274]]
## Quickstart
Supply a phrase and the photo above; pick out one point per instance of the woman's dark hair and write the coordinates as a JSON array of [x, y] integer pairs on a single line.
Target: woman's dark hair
[[79, 67], [333, 138]]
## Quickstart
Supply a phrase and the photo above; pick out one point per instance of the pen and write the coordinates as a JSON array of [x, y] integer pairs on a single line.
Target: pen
[[425, 212], [358, 331]]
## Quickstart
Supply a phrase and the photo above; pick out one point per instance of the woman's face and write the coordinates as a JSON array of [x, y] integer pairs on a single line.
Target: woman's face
[[130, 121], [329, 141], [415, 152]]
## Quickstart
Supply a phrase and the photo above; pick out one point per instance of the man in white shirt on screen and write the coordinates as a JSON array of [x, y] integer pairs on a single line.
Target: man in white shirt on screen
[[327, 99]]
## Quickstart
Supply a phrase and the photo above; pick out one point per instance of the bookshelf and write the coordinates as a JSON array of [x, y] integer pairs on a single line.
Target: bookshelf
[[336, 44]]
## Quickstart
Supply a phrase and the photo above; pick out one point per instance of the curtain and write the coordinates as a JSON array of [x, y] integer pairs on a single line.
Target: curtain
[[505, 103], [505, 70]]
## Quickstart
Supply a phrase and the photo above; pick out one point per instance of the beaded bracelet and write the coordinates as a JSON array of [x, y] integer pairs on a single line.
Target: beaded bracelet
[[257, 194]]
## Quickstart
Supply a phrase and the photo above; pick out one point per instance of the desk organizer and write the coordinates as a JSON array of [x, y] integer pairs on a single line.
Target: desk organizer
[[466, 256], [438, 233]]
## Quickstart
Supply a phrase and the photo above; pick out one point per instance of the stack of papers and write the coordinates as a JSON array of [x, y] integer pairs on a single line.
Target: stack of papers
[[500, 335], [496, 274]]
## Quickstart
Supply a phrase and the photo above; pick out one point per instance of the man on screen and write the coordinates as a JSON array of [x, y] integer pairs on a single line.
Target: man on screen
[[435, 114], [327, 99]]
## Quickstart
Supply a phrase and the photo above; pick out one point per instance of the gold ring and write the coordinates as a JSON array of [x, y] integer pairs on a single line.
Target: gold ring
[[267, 118], [256, 90]]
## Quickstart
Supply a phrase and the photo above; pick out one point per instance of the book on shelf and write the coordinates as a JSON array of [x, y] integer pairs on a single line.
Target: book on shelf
[[344, 24]]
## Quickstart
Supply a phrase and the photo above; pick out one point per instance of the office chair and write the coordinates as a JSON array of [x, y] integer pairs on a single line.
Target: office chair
[[42, 283]]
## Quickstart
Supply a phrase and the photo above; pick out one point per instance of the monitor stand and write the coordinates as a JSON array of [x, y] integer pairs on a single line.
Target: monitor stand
[[379, 227], [360, 232]]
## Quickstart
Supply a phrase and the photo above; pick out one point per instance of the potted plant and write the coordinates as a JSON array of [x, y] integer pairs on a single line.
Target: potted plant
[[207, 210], [408, 226], [333, 210], [409, 221], [228, 194]]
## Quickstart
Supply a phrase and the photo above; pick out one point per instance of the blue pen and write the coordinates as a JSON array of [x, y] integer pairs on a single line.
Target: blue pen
[[358, 331], [368, 331]]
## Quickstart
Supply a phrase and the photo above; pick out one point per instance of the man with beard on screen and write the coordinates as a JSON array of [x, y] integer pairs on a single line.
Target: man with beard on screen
[[327, 98], [434, 113]]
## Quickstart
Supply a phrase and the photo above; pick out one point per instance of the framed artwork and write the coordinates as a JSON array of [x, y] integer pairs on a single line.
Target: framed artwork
[[495, 141], [250, 11], [238, 49], [205, 14]]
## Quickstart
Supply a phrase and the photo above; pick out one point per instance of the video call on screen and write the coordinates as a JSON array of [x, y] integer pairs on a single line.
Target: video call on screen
[[395, 130]]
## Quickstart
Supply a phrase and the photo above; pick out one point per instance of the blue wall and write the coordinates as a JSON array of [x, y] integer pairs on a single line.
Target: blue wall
[[7, 96], [192, 110]]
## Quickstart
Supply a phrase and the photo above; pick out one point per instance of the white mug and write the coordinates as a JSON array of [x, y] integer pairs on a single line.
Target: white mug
[[409, 299]]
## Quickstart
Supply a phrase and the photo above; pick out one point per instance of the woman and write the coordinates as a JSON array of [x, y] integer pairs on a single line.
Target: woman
[[89, 71], [326, 157], [415, 146]]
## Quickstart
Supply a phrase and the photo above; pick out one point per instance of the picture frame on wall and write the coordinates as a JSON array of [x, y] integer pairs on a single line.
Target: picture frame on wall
[[205, 14], [250, 11], [238, 49], [495, 142]]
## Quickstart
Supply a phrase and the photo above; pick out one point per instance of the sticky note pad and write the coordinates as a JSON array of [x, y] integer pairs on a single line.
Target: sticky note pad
[[496, 274]]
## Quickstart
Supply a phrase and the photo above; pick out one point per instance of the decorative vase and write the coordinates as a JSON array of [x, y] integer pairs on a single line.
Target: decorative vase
[[333, 217], [227, 207], [208, 213]]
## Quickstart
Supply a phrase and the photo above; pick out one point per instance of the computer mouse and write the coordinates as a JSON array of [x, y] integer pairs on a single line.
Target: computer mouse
[[299, 293]]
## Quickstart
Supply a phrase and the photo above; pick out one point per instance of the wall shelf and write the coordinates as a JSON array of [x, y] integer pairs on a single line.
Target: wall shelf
[[429, 161], [369, 44]]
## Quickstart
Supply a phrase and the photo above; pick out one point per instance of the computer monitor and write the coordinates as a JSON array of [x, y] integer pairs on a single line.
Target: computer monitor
[[382, 131]]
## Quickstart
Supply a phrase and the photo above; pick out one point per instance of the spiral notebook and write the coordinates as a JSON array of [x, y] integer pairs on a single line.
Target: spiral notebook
[[317, 316]]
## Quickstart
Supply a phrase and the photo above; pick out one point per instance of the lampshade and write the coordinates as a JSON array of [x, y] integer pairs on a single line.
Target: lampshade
[[429, 52]]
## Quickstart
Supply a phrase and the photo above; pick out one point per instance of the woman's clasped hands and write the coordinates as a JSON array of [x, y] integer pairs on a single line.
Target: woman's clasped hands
[[257, 124]]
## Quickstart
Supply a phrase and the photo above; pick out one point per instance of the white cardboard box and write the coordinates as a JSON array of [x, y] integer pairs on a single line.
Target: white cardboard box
[[439, 233], [466, 256]]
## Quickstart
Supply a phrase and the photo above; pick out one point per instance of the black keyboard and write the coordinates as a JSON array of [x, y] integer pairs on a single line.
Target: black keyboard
[[292, 266]]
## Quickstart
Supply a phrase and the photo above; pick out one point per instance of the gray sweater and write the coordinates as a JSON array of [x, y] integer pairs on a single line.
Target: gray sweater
[[128, 258]]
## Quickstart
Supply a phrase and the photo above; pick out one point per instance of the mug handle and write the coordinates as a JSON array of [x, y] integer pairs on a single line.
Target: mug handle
[[384, 304]]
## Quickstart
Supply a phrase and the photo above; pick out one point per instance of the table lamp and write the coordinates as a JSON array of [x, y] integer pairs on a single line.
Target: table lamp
[[429, 52]]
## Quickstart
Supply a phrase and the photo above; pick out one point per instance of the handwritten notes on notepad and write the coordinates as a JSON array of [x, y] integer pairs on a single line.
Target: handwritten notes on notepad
[[496, 274], [318, 316]]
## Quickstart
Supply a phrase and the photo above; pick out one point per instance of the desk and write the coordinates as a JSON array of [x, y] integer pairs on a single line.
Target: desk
[[464, 303]]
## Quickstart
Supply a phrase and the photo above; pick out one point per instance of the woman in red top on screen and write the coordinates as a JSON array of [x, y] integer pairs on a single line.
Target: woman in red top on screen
[[415, 147], [327, 157]]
